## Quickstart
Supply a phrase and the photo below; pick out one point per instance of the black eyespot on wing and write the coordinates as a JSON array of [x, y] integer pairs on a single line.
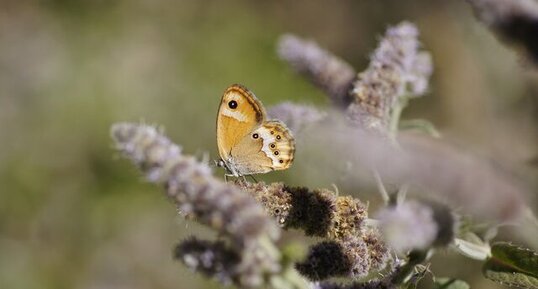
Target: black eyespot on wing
[[278, 137], [255, 136], [281, 161], [272, 145], [232, 104], [272, 132], [276, 153]]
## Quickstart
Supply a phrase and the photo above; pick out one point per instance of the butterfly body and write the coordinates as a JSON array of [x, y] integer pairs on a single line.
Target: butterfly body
[[248, 143]]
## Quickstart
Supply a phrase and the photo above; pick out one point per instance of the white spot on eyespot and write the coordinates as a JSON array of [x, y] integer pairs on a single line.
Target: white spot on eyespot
[[234, 114], [265, 134]]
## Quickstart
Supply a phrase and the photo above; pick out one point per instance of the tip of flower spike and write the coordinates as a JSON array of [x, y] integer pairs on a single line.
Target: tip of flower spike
[[123, 131]]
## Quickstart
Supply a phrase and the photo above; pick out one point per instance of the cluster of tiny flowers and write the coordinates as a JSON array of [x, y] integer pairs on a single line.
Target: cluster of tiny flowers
[[353, 257], [318, 213], [407, 226], [377, 250], [200, 196], [396, 69], [296, 116], [331, 74], [191, 185], [213, 259], [351, 249]]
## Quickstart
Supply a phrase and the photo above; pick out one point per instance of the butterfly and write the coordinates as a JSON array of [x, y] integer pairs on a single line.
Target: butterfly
[[247, 142]]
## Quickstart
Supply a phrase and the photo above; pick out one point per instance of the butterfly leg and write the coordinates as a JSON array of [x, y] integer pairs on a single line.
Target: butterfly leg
[[226, 177]]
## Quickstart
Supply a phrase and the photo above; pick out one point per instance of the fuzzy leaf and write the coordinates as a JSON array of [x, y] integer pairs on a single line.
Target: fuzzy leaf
[[450, 283], [512, 265]]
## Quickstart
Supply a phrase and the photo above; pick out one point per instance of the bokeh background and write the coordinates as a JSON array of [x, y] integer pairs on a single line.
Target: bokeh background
[[73, 214]]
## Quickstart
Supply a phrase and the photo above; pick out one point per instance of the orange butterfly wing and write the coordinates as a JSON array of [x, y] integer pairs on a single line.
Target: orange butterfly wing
[[240, 112]]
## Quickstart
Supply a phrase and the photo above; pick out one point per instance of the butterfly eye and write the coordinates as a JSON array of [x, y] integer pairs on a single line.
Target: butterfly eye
[[232, 104], [255, 136]]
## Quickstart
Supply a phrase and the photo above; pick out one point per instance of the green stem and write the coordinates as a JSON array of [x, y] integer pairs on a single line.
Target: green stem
[[396, 114], [403, 272]]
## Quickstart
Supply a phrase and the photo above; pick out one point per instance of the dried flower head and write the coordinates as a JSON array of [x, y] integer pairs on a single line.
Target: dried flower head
[[274, 198], [319, 212], [324, 260], [349, 213], [379, 252], [346, 258], [357, 251]]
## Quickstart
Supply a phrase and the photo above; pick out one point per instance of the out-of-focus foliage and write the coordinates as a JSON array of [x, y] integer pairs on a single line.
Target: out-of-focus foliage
[[72, 216], [512, 265]]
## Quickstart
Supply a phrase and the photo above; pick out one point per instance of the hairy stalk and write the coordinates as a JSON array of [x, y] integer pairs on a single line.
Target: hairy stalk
[[395, 116]]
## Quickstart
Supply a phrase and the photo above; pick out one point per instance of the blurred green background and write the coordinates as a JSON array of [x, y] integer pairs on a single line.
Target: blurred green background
[[73, 214]]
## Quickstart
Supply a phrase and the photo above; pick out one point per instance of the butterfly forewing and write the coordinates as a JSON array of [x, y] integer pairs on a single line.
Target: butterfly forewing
[[239, 114]]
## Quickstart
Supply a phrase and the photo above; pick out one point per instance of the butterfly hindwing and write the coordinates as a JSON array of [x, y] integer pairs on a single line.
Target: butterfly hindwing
[[278, 144], [268, 147]]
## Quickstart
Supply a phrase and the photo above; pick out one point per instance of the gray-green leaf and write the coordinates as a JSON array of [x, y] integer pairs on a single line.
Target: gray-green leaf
[[450, 283], [470, 245], [512, 265]]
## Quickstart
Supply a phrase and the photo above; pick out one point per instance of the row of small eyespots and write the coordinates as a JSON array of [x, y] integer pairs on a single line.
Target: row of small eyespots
[[256, 135], [286, 160], [272, 145]]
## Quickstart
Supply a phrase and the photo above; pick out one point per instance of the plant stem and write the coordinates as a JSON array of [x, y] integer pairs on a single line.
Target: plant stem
[[403, 272], [396, 114], [381, 188]]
